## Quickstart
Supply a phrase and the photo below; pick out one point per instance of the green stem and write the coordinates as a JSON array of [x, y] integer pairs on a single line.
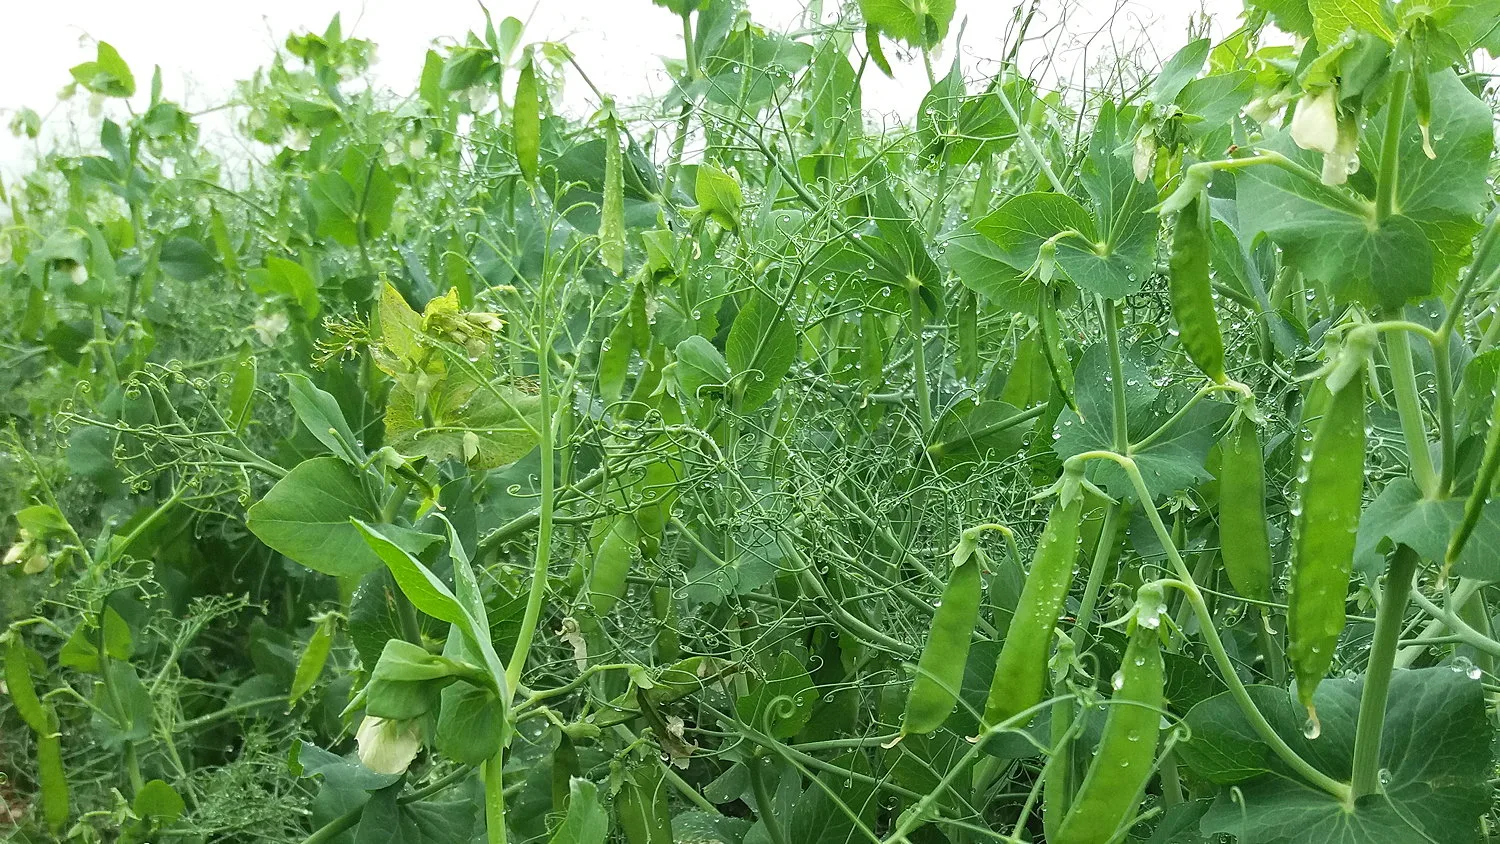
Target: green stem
[[919, 353], [494, 797], [1390, 151], [1102, 557], [544, 525], [765, 805], [1388, 621], [1408, 405]]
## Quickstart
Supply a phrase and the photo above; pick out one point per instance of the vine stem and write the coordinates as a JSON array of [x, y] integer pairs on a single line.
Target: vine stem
[[1184, 581], [1372, 701], [1408, 406], [1390, 150], [1111, 313]]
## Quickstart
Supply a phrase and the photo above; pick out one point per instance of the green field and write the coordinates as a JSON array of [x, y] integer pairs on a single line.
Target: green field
[[1092, 459]]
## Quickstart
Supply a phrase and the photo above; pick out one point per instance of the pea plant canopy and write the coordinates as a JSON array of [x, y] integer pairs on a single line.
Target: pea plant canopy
[[1085, 464]]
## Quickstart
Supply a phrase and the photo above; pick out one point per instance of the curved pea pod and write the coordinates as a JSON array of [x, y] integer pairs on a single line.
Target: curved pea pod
[[1192, 295], [1484, 482], [940, 671], [1123, 764], [1332, 486], [1052, 348], [614, 545], [1021, 670], [1245, 546], [641, 804]]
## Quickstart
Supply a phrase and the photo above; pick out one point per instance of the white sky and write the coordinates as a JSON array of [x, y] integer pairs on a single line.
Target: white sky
[[204, 47]]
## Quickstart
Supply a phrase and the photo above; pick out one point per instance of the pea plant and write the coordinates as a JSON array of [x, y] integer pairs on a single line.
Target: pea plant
[[1079, 463]]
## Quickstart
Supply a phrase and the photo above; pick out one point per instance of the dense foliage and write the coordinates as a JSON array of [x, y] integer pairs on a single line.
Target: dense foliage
[[1085, 465]]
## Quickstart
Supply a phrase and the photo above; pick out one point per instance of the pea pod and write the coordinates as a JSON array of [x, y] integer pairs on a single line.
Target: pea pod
[[1020, 671], [645, 816], [612, 215], [1112, 787], [1192, 296], [42, 720], [527, 129], [940, 671], [1332, 475], [614, 542], [1484, 482], [1052, 348], [1244, 545]]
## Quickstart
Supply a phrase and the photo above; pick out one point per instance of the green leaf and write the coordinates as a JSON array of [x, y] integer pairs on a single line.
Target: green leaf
[[185, 259], [719, 196], [922, 24], [1335, 242], [289, 279], [1292, 16], [783, 702], [1332, 18], [320, 413], [1400, 515], [981, 266], [1022, 224], [470, 724], [1434, 756], [586, 821], [429, 594], [107, 74], [160, 802], [700, 366], [1172, 461], [484, 425], [305, 516], [1182, 68], [760, 349]]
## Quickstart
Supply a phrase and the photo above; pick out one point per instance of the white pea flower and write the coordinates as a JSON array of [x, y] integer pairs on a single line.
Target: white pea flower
[[479, 97], [268, 327], [78, 274], [416, 147], [1315, 125], [1145, 154], [388, 746], [301, 139]]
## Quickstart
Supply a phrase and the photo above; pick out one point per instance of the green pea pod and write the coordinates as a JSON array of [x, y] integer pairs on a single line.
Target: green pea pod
[[1323, 539], [1244, 545], [1052, 348], [940, 671], [612, 216], [20, 687], [51, 775], [527, 128], [1020, 671], [1484, 482], [968, 337], [1123, 764], [314, 657], [614, 545], [1192, 296], [42, 720], [645, 816]]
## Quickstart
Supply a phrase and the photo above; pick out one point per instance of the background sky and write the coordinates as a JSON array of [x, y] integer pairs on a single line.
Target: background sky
[[203, 48]]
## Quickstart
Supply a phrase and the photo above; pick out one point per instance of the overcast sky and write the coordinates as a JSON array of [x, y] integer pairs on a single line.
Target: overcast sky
[[203, 48]]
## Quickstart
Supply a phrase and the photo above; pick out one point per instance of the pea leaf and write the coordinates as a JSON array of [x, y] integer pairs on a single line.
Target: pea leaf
[[923, 24], [185, 259], [700, 366], [980, 264], [484, 425], [320, 413], [1172, 461], [305, 516], [719, 196], [760, 349], [1400, 515], [766, 706], [107, 74], [1332, 18], [1179, 70], [1435, 783]]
